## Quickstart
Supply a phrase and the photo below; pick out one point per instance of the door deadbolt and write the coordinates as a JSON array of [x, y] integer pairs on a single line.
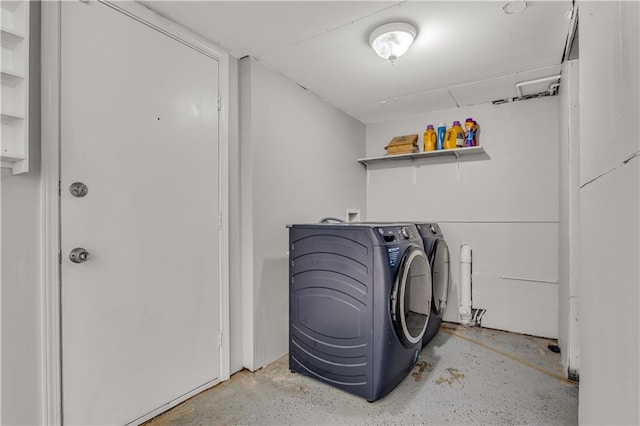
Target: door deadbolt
[[78, 189], [79, 255]]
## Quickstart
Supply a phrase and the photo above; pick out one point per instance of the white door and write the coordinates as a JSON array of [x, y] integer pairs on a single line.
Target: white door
[[139, 127]]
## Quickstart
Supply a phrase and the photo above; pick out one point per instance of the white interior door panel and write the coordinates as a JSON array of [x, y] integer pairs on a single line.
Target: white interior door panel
[[139, 127]]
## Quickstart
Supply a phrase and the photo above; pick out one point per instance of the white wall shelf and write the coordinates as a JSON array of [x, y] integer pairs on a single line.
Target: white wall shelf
[[11, 117], [9, 158], [457, 152], [10, 39], [14, 30], [11, 79]]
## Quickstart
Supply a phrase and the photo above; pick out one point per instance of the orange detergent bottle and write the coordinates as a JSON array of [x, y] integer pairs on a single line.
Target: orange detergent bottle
[[454, 138], [429, 140]]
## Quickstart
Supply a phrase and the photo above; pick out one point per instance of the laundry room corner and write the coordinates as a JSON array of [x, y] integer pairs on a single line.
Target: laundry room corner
[[504, 204], [297, 165], [320, 212]]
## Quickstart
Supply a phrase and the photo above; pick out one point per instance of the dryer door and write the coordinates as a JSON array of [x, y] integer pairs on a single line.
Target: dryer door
[[411, 296], [441, 275]]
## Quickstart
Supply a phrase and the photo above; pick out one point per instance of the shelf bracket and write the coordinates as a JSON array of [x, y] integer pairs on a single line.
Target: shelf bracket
[[413, 167], [457, 166], [366, 170]]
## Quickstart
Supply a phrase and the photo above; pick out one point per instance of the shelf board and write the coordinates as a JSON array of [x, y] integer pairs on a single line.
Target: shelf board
[[9, 158], [10, 39], [11, 117], [10, 78], [11, 5], [17, 163], [457, 152]]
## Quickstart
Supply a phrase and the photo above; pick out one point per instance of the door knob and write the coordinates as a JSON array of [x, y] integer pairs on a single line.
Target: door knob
[[79, 255], [78, 189]]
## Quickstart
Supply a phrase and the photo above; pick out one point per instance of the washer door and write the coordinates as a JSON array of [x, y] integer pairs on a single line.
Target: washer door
[[441, 276], [411, 296]]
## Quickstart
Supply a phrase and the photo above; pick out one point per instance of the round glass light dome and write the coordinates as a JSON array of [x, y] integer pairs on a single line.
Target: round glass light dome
[[390, 41]]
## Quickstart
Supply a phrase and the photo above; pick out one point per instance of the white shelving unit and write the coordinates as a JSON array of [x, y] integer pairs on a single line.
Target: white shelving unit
[[457, 152], [14, 138]]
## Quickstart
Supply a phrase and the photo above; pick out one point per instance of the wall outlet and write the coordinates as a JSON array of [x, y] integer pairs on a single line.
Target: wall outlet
[[353, 215]]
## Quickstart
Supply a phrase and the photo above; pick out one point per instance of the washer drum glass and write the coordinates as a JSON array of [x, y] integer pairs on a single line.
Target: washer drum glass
[[411, 296]]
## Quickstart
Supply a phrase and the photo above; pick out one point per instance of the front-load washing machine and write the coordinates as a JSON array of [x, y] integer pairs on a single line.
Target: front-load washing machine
[[438, 254], [359, 304]]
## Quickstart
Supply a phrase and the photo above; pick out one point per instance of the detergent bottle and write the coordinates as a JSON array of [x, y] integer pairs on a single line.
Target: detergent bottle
[[476, 133], [440, 136], [470, 132], [429, 138], [454, 136]]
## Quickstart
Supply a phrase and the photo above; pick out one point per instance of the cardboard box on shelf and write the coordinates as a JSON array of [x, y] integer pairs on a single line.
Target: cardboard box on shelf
[[403, 145], [395, 150]]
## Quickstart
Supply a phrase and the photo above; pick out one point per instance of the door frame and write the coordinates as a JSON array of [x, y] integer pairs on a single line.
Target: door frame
[[51, 360]]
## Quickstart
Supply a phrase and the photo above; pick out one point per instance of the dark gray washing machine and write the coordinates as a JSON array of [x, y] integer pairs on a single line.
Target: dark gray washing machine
[[359, 304], [438, 253]]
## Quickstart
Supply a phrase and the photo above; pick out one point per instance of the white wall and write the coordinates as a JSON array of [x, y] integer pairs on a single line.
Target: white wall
[[298, 164], [568, 314], [504, 204], [21, 381], [609, 213], [235, 263]]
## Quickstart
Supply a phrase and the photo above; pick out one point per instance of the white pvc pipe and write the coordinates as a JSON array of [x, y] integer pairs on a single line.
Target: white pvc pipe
[[465, 284], [538, 80]]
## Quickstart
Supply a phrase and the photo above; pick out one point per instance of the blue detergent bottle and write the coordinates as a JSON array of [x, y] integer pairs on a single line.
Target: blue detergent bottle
[[442, 129]]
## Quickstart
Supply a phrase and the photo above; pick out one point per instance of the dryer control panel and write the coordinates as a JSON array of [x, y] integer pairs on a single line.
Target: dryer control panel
[[429, 229]]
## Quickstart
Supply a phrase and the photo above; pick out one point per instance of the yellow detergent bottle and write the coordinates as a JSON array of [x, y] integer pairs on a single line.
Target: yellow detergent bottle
[[454, 138], [429, 140]]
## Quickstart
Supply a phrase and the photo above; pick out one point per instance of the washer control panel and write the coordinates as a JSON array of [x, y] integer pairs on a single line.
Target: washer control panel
[[405, 232], [396, 234]]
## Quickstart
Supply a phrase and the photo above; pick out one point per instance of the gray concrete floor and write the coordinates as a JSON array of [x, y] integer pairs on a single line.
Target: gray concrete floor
[[464, 376]]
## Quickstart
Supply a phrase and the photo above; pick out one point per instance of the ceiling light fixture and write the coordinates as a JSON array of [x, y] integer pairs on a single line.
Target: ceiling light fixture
[[514, 7], [390, 41]]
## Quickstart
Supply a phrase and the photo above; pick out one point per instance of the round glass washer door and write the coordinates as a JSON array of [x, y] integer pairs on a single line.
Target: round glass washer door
[[441, 276], [411, 296]]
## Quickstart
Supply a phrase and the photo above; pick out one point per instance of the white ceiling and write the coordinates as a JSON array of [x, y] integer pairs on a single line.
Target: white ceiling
[[466, 52]]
